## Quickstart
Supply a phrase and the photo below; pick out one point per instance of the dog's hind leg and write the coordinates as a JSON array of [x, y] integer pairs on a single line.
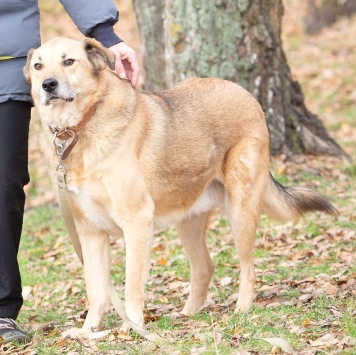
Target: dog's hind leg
[[192, 234], [96, 256], [246, 174]]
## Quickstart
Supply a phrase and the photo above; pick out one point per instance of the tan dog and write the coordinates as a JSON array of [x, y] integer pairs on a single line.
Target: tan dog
[[157, 158]]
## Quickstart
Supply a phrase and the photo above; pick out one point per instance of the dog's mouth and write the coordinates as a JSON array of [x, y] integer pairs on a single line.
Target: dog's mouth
[[54, 99]]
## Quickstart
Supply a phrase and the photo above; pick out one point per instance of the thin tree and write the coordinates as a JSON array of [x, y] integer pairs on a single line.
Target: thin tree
[[238, 40], [324, 13]]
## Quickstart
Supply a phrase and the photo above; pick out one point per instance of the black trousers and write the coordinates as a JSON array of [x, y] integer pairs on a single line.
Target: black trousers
[[14, 128]]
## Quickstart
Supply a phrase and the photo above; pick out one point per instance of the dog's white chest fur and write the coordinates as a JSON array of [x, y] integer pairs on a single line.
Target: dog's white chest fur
[[95, 212]]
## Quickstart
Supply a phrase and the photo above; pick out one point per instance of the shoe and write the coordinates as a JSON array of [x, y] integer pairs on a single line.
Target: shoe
[[10, 331]]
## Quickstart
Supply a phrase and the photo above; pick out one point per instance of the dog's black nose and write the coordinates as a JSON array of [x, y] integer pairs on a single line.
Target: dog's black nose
[[50, 84]]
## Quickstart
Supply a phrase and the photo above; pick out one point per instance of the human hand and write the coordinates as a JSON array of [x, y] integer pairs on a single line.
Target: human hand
[[126, 64]]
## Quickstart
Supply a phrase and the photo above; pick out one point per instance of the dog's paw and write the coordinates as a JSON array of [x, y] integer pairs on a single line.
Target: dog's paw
[[242, 307], [76, 333], [125, 328], [177, 315]]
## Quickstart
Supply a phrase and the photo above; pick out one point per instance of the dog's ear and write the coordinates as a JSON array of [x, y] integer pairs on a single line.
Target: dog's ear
[[98, 55], [26, 68]]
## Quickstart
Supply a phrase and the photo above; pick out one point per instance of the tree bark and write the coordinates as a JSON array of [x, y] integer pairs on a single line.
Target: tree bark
[[237, 40]]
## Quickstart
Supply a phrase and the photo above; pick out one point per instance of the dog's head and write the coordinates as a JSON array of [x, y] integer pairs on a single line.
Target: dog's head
[[62, 69]]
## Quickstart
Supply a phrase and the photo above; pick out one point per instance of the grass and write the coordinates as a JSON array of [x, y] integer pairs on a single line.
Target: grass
[[287, 258]]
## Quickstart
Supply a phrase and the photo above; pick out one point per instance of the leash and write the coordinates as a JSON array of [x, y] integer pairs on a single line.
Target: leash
[[61, 149]]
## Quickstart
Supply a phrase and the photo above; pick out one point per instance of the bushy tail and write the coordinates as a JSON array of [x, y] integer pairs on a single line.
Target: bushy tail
[[289, 203]]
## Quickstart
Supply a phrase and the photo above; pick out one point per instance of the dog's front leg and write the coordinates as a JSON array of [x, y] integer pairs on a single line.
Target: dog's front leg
[[138, 237], [96, 255]]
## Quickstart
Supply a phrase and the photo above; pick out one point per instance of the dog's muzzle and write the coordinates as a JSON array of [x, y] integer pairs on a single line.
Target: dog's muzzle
[[52, 91]]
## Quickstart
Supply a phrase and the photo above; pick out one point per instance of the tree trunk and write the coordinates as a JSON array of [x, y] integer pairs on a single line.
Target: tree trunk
[[238, 40], [324, 13]]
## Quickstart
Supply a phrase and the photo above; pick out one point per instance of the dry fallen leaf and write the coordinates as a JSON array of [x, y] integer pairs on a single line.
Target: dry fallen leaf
[[275, 350], [162, 261], [305, 298], [26, 291], [331, 290], [324, 341], [306, 322], [284, 345], [226, 281], [174, 285], [281, 169], [123, 336]]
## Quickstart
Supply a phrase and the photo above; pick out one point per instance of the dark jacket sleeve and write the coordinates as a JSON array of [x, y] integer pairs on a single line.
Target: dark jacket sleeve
[[94, 18]]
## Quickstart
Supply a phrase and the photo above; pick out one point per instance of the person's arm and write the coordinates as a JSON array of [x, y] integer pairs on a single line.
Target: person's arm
[[96, 19]]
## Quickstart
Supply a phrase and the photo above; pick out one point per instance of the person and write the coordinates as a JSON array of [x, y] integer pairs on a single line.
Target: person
[[19, 32]]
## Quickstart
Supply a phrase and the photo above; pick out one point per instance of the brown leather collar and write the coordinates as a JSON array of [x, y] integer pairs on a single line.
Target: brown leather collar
[[70, 132]]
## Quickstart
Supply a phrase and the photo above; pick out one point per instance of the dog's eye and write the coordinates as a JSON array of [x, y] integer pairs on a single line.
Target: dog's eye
[[68, 62], [38, 66]]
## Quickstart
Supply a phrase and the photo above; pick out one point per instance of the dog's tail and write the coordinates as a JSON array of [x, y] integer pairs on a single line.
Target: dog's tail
[[289, 203]]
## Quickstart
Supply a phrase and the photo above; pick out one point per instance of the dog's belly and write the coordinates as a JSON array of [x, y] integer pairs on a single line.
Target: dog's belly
[[97, 211], [212, 196]]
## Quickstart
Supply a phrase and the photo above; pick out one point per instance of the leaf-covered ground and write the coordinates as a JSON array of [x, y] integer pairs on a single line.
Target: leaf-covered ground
[[306, 275]]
